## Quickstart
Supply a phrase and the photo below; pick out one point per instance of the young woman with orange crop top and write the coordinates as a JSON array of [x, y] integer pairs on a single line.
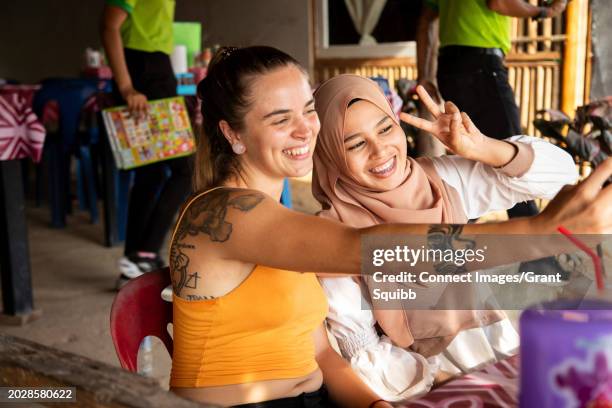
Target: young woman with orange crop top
[[248, 327]]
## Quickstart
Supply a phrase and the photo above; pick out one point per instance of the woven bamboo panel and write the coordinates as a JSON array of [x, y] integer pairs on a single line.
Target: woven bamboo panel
[[534, 65], [535, 79]]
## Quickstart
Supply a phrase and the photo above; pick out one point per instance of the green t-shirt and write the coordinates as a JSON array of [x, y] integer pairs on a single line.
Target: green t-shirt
[[149, 24], [471, 23]]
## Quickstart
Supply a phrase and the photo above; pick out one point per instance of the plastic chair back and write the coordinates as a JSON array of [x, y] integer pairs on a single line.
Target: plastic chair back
[[139, 311]]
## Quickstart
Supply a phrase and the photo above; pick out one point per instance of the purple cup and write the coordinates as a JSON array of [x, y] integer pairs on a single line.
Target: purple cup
[[566, 354]]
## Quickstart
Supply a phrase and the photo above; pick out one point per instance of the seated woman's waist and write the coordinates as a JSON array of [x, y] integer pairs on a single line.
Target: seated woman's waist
[[216, 366], [255, 391]]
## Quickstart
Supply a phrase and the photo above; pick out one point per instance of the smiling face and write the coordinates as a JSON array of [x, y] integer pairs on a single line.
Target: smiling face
[[375, 147], [281, 126]]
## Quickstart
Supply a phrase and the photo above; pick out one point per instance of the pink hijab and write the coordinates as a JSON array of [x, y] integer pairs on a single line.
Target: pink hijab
[[422, 198]]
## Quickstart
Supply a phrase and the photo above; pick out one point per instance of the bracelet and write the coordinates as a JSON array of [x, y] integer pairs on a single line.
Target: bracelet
[[375, 402]]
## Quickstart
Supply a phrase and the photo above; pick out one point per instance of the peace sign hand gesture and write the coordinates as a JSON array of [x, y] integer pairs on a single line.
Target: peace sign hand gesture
[[452, 127]]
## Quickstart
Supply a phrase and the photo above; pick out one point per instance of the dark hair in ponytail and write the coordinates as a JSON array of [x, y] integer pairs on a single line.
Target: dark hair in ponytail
[[225, 95]]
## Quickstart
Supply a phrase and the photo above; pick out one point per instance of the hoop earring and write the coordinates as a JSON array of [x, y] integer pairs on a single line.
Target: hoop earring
[[238, 148]]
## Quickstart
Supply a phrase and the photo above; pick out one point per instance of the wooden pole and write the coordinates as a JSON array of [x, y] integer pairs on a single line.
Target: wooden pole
[[589, 60], [574, 61], [312, 36]]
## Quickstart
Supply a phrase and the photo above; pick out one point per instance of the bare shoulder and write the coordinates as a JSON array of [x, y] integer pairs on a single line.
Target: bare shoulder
[[206, 225], [225, 232], [211, 214]]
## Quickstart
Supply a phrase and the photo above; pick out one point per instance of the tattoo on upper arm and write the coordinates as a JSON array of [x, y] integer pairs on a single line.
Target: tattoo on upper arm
[[192, 281], [445, 237], [206, 216], [199, 297]]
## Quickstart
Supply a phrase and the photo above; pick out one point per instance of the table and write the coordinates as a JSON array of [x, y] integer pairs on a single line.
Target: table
[[495, 385], [21, 136]]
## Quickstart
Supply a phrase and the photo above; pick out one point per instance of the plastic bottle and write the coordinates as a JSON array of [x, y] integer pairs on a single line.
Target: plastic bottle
[[145, 357]]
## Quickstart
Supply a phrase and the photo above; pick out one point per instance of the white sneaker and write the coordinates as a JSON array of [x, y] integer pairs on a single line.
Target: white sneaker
[[132, 266], [128, 268]]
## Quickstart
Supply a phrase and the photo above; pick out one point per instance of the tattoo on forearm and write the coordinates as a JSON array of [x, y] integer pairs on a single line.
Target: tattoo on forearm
[[445, 237], [206, 216]]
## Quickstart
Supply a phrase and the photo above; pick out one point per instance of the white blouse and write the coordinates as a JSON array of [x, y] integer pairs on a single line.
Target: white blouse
[[396, 374]]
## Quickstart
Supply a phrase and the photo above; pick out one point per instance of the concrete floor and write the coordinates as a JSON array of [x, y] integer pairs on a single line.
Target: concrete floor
[[74, 277]]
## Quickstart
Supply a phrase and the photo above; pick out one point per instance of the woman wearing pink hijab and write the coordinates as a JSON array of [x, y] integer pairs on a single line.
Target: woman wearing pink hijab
[[363, 177]]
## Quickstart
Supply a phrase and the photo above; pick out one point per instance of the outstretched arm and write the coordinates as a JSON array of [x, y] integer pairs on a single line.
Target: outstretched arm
[[250, 227], [521, 8]]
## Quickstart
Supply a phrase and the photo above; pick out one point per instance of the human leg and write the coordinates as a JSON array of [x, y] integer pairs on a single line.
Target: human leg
[[172, 194]]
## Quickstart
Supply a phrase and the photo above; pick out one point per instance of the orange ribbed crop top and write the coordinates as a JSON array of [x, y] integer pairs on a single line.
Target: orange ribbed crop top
[[261, 330]]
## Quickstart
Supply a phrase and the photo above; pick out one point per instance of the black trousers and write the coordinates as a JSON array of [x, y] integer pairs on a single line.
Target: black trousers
[[478, 85], [315, 399], [155, 198]]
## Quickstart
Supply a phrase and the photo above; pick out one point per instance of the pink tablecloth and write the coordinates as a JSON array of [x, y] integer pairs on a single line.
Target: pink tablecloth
[[21, 134], [494, 386]]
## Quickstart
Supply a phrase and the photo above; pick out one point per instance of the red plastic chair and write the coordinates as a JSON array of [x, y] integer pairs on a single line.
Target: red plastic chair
[[139, 311]]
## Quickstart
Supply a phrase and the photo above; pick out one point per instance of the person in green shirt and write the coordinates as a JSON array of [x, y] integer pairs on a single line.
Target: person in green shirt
[[138, 40], [474, 37]]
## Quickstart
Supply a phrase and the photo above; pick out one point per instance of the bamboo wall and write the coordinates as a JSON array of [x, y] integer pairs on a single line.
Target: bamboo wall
[[534, 63]]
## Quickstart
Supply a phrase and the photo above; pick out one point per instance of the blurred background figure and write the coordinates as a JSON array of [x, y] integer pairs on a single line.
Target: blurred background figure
[[474, 37], [138, 39]]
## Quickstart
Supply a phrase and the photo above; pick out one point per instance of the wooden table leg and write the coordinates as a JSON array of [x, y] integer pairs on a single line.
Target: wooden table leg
[[15, 257]]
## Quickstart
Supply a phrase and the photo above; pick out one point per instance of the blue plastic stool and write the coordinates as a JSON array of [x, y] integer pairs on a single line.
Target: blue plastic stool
[[70, 95]]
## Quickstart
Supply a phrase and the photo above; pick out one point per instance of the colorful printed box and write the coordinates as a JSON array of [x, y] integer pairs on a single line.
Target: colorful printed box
[[164, 134]]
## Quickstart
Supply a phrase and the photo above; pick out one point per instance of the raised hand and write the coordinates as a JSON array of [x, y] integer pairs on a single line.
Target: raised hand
[[458, 133], [452, 127]]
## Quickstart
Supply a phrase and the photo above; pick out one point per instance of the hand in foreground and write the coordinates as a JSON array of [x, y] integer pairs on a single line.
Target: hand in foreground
[[136, 102], [452, 127], [585, 208]]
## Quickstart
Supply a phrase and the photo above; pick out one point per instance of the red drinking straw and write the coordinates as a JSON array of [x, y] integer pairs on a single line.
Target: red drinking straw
[[594, 257]]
